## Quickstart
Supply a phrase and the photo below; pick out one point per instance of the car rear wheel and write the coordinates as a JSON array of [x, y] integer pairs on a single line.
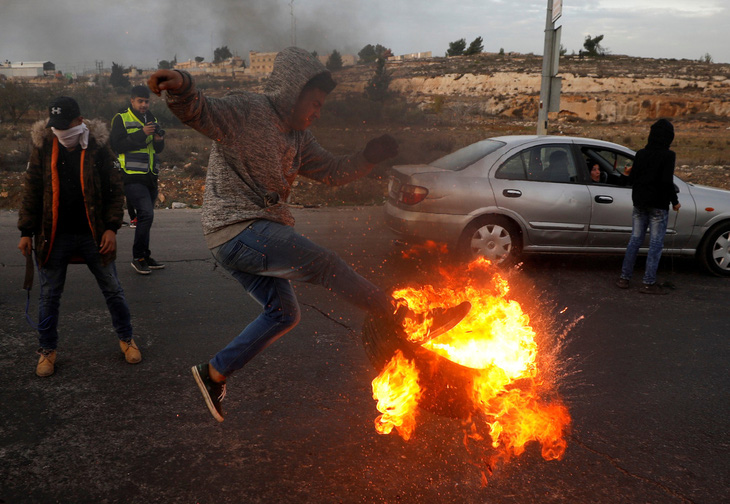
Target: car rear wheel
[[494, 238], [714, 254]]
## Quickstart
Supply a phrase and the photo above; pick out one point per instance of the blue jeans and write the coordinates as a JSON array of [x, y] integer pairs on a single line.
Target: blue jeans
[[656, 220], [264, 258], [52, 278], [142, 198]]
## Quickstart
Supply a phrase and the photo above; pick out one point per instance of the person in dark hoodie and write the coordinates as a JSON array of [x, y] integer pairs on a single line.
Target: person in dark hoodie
[[137, 140], [261, 143], [73, 206], [652, 181]]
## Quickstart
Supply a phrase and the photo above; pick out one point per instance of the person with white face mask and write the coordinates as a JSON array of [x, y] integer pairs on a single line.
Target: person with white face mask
[[73, 206]]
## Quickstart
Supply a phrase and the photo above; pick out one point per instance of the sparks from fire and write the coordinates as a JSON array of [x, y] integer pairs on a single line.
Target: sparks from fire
[[513, 403]]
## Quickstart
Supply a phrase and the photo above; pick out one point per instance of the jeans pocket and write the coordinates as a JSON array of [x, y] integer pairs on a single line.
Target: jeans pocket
[[241, 257]]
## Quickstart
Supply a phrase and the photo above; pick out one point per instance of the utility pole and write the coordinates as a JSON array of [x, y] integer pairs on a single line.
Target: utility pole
[[550, 84], [293, 24]]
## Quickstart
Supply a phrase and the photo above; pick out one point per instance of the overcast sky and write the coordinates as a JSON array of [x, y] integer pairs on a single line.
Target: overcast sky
[[74, 34]]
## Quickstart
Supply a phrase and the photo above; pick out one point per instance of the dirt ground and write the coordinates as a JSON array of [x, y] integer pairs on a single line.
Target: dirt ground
[[703, 155]]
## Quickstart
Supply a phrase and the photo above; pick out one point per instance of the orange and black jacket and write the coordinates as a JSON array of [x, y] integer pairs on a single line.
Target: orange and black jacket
[[101, 184]]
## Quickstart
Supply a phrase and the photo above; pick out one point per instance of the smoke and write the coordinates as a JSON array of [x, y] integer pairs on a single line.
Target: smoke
[[74, 34]]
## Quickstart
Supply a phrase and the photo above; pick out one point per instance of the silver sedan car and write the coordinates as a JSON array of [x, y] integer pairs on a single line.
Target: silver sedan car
[[505, 196]]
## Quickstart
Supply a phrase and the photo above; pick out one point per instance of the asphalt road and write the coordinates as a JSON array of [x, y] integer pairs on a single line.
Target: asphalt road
[[645, 378]]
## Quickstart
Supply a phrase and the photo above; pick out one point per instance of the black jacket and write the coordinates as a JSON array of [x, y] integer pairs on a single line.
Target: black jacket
[[652, 176], [122, 142], [101, 183]]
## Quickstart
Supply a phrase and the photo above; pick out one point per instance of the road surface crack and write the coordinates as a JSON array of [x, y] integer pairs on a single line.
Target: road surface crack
[[615, 464]]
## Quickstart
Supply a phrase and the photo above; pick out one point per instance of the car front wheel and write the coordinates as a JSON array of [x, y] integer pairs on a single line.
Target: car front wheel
[[714, 254], [494, 238]]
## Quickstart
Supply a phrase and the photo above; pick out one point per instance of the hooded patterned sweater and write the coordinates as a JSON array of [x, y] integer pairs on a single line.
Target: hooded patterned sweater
[[255, 152]]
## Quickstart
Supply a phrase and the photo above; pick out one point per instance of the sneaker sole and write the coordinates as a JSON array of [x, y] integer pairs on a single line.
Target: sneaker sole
[[140, 271], [206, 396], [464, 309], [156, 267]]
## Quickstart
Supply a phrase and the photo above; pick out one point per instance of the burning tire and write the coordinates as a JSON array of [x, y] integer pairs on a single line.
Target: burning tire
[[445, 384]]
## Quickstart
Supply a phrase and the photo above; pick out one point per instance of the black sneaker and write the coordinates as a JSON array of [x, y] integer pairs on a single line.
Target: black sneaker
[[213, 392], [622, 283], [444, 319], [653, 289], [141, 266], [152, 264]]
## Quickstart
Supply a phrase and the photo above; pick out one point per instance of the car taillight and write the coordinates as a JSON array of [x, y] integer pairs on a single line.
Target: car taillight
[[410, 194]]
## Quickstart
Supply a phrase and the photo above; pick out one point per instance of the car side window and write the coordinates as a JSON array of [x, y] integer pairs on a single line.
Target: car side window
[[558, 164], [526, 165], [615, 165], [513, 169], [552, 163]]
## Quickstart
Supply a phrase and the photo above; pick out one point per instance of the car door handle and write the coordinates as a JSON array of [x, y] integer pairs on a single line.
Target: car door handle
[[512, 193], [603, 199]]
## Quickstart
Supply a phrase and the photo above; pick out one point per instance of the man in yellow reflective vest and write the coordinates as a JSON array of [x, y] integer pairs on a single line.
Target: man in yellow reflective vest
[[137, 138]]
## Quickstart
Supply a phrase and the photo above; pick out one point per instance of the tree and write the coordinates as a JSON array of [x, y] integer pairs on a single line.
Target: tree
[[476, 47], [334, 62], [118, 79], [221, 54], [377, 87], [199, 59], [456, 48], [371, 53], [164, 65], [707, 58], [593, 45], [17, 97]]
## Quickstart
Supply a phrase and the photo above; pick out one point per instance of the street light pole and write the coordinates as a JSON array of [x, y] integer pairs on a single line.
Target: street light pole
[[550, 85]]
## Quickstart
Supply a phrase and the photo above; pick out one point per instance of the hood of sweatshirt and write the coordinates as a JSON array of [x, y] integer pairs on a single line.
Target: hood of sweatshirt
[[293, 68], [661, 135]]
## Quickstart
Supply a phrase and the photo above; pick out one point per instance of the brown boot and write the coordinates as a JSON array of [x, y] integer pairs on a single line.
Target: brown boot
[[46, 363], [131, 352]]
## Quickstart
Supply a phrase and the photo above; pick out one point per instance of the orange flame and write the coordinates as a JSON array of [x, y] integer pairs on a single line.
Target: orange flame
[[427, 247], [397, 391], [498, 343]]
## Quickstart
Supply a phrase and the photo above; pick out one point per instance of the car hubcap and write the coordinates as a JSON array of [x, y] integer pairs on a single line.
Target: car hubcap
[[493, 242], [721, 251]]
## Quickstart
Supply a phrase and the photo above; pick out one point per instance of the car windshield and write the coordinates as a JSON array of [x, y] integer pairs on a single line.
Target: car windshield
[[467, 156]]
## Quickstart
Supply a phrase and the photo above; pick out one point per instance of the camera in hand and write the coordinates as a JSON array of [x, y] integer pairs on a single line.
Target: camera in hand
[[159, 130]]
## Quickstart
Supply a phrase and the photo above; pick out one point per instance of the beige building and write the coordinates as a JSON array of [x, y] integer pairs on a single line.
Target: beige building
[[261, 63], [410, 56], [230, 65]]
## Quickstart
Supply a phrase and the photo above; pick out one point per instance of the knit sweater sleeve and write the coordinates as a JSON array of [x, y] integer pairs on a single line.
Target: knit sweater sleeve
[[220, 119], [323, 166]]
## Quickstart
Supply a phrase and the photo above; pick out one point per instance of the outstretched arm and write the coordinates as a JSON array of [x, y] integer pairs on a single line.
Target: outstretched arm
[[319, 164]]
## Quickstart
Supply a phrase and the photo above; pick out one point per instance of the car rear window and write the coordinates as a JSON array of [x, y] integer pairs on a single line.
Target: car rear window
[[467, 156]]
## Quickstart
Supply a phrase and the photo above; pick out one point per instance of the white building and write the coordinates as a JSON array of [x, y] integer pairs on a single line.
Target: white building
[[27, 69]]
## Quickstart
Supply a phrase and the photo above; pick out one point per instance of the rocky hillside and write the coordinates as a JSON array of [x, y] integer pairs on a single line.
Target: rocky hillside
[[465, 99], [606, 89]]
